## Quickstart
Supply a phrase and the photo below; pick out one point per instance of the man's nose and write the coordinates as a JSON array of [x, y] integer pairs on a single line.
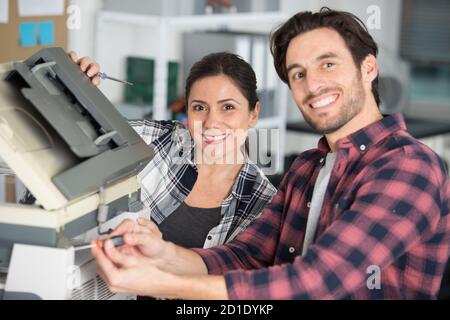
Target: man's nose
[[314, 83]]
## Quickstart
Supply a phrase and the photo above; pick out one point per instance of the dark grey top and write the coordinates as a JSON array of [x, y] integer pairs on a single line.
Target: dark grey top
[[188, 226]]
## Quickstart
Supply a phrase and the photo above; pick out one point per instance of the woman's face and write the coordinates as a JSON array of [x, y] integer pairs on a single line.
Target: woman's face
[[219, 118]]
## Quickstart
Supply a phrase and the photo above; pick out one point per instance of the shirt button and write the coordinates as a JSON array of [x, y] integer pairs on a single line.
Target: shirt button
[[362, 147], [209, 238], [308, 204], [291, 250], [322, 160]]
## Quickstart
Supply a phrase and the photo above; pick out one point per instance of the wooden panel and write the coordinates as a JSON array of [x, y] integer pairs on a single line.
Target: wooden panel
[[10, 48]]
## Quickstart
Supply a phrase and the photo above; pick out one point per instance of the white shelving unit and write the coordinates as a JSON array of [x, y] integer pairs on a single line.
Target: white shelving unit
[[164, 31]]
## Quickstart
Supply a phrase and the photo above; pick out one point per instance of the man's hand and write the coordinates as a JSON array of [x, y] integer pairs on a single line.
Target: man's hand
[[148, 265], [145, 237], [87, 66], [135, 274], [126, 270]]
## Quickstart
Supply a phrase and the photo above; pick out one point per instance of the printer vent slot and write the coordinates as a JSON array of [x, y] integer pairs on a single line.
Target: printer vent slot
[[94, 289], [85, 292], [103, 292]]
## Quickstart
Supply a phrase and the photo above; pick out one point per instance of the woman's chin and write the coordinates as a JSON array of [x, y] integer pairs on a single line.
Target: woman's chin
[[214, 157]]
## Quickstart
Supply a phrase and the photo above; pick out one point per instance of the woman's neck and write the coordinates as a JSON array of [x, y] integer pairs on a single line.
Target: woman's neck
[[220, 171], [227, 167]]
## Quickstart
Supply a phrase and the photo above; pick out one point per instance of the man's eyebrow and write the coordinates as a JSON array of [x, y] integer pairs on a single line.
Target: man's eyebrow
[[293, 66], [325, 55]]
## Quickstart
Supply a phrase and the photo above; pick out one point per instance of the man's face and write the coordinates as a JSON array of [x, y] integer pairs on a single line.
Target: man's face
[[325, 83]]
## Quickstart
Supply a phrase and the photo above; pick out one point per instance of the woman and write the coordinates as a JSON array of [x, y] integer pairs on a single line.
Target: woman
[[201, 188]]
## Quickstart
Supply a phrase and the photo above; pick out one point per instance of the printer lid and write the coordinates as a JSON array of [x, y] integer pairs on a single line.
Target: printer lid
[[60, 134]]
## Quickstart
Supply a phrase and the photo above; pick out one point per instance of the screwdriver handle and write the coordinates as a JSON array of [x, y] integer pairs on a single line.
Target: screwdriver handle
[[117, 241]]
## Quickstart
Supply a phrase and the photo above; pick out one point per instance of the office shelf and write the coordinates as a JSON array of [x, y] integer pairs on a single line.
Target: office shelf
[[164, 28]]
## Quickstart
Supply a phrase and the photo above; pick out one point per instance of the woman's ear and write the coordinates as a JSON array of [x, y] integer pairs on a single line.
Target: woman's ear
[[254, 116]]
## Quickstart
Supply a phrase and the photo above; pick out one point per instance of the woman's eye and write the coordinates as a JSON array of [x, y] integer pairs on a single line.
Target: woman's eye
[[229, 107], [198, 107]]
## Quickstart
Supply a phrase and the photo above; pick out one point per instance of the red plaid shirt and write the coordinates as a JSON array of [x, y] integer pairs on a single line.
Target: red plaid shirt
[[386, 207]]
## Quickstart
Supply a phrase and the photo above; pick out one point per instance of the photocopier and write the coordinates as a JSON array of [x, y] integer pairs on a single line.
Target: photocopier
[[79, 159]]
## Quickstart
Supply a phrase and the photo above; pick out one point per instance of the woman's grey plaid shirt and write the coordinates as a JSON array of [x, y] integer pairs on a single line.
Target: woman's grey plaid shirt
[[170, 176]]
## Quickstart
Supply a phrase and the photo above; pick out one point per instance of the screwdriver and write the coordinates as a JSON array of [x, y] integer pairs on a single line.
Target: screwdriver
[[117, 242], [104, 76]]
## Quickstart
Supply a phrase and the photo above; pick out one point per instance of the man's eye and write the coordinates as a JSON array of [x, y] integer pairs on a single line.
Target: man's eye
[[298, 75], [328, 65]]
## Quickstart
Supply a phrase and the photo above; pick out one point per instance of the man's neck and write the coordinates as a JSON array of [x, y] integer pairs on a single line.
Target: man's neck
[[369, 115]]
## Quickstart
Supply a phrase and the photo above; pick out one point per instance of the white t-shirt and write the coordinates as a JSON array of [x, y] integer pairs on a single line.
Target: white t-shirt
[[317, 200]]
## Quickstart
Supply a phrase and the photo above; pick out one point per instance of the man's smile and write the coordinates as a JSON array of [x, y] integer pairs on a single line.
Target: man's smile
[[324, 101]]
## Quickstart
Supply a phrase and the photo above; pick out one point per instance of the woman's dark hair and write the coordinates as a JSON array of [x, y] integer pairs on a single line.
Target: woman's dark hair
[[230, 65], [351, 28]]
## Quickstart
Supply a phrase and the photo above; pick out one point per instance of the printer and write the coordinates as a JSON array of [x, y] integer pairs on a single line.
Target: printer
[[79, 159]]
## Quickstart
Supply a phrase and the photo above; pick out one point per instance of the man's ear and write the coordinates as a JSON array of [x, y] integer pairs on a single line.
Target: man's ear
[[369, 69], [254, 115]]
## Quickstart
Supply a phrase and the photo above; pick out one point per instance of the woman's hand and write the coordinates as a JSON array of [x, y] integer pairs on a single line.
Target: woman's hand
[[87, 66]]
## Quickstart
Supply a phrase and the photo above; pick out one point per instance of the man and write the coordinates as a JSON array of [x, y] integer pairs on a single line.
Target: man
[[366, 215]]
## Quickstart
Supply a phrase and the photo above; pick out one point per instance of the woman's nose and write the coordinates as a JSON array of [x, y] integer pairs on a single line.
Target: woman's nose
[[212, 119]]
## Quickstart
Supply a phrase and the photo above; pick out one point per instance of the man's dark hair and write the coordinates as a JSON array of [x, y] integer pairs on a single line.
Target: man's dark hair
[[230, 65], [351, 28]]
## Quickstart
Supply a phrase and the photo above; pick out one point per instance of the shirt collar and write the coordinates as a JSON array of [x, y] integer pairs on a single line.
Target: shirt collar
[[364, 138], [248, 171]]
